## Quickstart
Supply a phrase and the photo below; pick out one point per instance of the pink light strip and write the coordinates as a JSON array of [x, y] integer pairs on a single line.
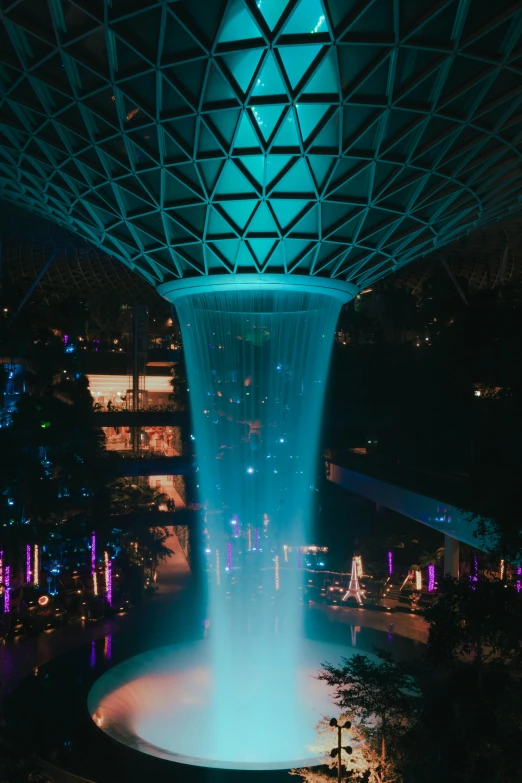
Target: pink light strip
[[431, 578], [390, 563], [7, 583], [28, 564], [229, 556]]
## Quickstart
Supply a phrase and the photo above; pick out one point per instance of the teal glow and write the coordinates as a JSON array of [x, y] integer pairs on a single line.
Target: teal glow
[[257, 363], [179, 139]]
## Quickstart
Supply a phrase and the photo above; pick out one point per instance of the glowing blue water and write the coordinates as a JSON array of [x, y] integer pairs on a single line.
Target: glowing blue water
[[257, 367]]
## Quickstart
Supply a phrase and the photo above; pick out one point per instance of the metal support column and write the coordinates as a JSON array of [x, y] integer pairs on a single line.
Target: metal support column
[[451, 556]]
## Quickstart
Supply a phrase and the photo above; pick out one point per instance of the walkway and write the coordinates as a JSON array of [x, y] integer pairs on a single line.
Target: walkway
[[441, 516]]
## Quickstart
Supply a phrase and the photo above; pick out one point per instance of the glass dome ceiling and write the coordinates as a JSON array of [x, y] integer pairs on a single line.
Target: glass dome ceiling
[[336, 138]]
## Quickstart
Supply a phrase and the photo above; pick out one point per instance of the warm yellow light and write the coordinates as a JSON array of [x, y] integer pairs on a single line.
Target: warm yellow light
[[502, 569], [94, 583], [249, 534], [285, 550], [418, 580], [358, 561]]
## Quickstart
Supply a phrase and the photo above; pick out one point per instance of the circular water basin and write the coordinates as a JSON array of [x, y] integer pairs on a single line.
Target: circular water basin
[[163, 703]]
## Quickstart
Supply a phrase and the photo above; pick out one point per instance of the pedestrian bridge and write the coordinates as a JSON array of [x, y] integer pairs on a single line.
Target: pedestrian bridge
[[454, 522]]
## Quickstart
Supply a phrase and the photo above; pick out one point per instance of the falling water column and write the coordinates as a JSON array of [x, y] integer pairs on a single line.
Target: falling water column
[[257, 361]]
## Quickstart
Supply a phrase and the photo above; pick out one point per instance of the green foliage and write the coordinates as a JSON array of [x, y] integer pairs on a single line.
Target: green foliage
[[382, 695], [482, 620]]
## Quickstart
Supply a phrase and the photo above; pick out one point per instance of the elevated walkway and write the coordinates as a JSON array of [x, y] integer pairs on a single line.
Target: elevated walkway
[[446, 517]]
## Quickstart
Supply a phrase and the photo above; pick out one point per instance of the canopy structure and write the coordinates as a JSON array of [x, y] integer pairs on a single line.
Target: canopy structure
[[331, 138]]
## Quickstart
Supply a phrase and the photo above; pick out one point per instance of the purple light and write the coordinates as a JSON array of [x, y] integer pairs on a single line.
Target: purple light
[[474, 576], [7, 584], [93, 654], [65, 339], [229, 556], [109, 582], [93, 552], [28, 564], [431, 578], [390, 563], [256, 538], [299, 557], [519, 573]]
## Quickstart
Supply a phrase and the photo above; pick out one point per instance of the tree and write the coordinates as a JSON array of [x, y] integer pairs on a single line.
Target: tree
[[382, 695], [130, 497], [363, 764], [469, 727], [478, 620]]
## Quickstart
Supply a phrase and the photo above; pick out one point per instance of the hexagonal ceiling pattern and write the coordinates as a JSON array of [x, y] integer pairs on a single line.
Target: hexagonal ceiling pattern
[[340, 138]]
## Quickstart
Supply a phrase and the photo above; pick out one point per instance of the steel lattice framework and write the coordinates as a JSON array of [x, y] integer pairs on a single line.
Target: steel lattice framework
[[338, 138]]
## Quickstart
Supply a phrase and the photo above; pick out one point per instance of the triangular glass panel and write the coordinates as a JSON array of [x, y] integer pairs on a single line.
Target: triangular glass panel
[[232, 181], [286, 209], [325, 80], [213, 261], [321, 166], [192, 217], [225, 122], [255, 165], [174, 192], [238, 24], [246, 138], [262, 222], [287, 136], [208, 145], [274, 165], [217, 88], [276, 260], [310, 115], [194, 257], [262, 248], [176, 232], [308, 17], [227, 248], [305, 262], [178, 44], [210, 170], [239, 212], [272, 10], [244, 258], [184, 131], [357, 187], [132, 203], [188, 78], [297, 60], [308, 224], [242, 66], [217, 225], [267, 118], [269, 81], [335, 214], [294, 248], [171, 100], [297, 180]]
